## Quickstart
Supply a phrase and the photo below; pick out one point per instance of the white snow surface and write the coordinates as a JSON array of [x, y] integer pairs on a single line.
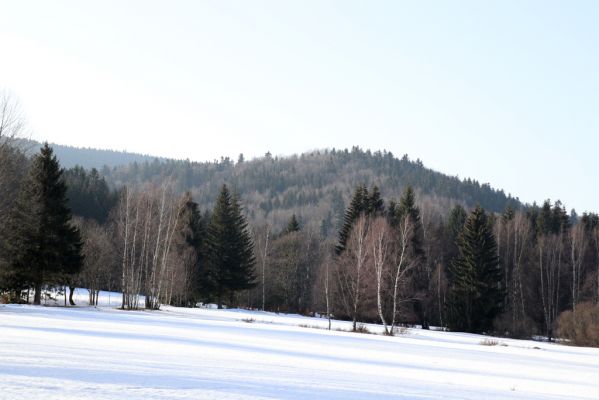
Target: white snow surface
[[53, 352]]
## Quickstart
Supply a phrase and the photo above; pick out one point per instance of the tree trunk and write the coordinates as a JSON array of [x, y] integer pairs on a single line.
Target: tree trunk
[[37, 297], [71, 292], [231, 299]]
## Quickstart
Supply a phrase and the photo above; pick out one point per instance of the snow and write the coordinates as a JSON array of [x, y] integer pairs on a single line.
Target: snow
[[103, 353]]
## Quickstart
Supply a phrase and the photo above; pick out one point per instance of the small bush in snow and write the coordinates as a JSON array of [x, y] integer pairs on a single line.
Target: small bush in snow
[[361, 328], [488, 342]]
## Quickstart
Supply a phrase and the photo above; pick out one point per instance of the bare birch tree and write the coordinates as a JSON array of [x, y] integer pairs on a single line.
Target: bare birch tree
[[578, 247], [379, 239], [550, 259], [404, 261], [327, 287], [521, 237], [351, 269], [12, 159]]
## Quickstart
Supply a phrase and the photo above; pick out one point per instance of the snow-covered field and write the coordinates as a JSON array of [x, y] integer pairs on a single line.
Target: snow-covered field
[[104, 353]]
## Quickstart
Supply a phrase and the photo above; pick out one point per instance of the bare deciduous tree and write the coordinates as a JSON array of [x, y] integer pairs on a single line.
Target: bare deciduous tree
[[351, 268], [100, 259], [521, 237], [404, 261], [550, 259], [12, 159], [379, 238], [147, 222], [578, 246]]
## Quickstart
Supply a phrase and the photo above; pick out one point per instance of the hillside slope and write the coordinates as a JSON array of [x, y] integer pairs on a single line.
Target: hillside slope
[[88, 158], [316, 186]]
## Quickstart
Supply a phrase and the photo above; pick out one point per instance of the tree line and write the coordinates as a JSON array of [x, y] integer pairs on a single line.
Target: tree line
[[153, 245]]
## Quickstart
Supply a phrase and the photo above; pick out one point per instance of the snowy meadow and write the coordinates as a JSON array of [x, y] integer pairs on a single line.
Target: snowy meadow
[[175, 353]]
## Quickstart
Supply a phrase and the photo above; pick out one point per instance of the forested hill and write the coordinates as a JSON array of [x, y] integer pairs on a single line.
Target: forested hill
[[316, 186], [89, 158]]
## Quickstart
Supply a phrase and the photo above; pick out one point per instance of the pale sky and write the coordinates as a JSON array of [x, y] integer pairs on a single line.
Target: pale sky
[[506, 92]]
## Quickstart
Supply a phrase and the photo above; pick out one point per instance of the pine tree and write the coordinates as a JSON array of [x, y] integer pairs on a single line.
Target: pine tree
[[476, 294], [44, 248], [230, 251], [292, 225]]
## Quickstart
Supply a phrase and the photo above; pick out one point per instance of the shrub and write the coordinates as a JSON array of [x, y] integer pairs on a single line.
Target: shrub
[[361, 328], [581, 327], [488, 342], [520, 328]]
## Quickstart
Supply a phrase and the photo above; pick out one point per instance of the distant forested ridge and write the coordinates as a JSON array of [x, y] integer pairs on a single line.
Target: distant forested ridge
[[315, 186], [88, 158]]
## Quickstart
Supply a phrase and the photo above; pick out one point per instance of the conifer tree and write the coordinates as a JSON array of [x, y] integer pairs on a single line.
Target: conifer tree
[[376, 205], [476, 294], [292, 225], [357, 206], [192, 234], [455, 222], [420, 275], [230, 250], [43, 246], [407, 209]]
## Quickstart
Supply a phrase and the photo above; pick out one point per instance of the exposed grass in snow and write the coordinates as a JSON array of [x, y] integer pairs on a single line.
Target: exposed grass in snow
[[174, 353]]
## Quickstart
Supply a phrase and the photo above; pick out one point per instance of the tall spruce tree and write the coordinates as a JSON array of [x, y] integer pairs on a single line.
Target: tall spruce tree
[[420, 274], [362, 203], [376, 205], [476, 294], [43, 246], [293, 225], [192, 234], [357, 206], [230, 250]]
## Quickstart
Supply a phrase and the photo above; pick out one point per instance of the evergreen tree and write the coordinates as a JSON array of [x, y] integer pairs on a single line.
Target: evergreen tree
[[88, 193], [292, 225], [358, 205], [420, 275], [376, 205], [455, 222], [476, 294], [407, 209], [43, 246], [230, 250], [243, 275], [192, 232]]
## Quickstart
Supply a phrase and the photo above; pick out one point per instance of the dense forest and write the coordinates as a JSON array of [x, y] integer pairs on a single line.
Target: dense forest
[[361, 236], [314, 186]]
